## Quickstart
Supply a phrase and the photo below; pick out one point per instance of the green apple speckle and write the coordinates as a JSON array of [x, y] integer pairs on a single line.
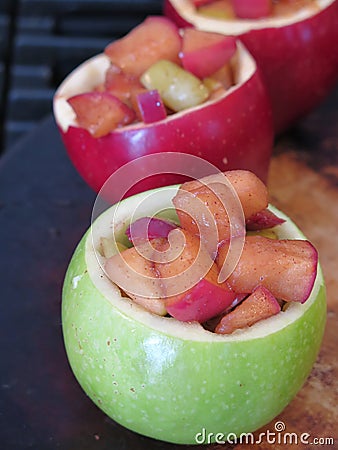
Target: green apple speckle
[[169, 380]]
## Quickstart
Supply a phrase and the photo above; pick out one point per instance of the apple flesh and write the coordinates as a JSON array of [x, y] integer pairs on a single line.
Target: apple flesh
[[206, 298], [251, 192], [156, 38], [204, 54], [263, 220], [287, 268], [252, 9], [260, 305], [295, 53], [120, 84], [178, 88], [131, 363], [132, 265], [99, 112]]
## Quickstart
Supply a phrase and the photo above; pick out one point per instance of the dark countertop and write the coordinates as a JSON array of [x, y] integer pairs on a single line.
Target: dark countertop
[[44, 209]]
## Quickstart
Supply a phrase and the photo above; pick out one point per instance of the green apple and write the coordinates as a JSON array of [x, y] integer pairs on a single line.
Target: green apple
[[176, 381]]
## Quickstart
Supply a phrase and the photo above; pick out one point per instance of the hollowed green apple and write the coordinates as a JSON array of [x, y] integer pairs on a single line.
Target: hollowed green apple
[[168, 379]]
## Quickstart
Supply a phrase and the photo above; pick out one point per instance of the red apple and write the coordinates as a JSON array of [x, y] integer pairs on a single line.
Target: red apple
[[295, 53], [260, 305], [232, 131], [205, 53]]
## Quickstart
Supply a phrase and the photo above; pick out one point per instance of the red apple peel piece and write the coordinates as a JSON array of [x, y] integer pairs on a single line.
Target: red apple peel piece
[[100, 112], [200, 303], [252, 9], [149, 106], [262, 220], [260, 305], [147, 228]]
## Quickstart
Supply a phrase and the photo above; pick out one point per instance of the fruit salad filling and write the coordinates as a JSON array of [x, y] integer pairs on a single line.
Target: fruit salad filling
[[175, 269], [250, 9], [154, 71]]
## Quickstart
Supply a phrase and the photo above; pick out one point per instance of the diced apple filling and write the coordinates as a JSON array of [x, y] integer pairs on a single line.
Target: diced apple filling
[[171, 271], [157, 70], [250, 9]]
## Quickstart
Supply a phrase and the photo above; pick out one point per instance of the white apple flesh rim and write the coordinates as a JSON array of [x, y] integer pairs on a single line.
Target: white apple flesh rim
[[171, 380]]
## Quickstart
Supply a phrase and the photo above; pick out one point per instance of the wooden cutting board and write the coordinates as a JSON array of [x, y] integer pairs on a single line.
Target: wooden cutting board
[[303, 182]]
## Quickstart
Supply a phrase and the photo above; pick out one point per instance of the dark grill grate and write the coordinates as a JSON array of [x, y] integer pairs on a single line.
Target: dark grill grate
[[41, 41]]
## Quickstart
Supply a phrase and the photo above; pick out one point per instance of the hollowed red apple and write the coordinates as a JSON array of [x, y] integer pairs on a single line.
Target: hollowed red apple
[[295, 52], [231, 130]]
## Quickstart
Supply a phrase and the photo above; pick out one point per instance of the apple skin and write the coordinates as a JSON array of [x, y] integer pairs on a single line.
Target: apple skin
[[169, 380], [298, 61], [235, 131]]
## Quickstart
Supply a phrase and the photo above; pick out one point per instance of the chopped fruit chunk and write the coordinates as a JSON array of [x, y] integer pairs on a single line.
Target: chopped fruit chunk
[[201, 302], [149, 106], [252, 9], [261, 304], [219, 9], [198, 300], [262, 220], [149, 228], [130, 265], [287, 268], [178, 88], [155, 38], [205, 53], [120, 84], [100, 112], [250, 189], [224, 76]]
